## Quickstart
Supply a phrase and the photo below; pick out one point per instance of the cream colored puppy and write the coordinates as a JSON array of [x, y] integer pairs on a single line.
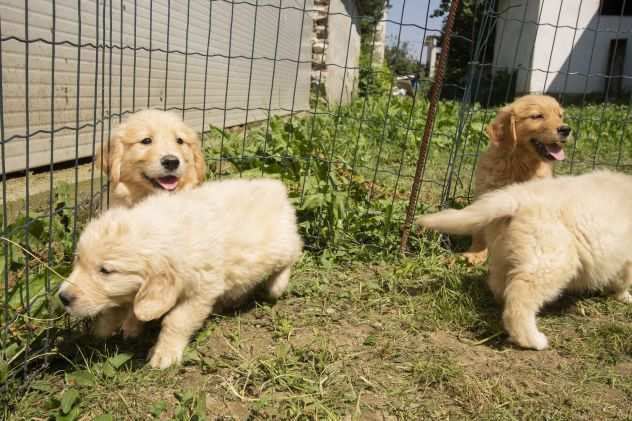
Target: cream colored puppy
[[176, 255], [526, 138], [151, 151], [547, 236]]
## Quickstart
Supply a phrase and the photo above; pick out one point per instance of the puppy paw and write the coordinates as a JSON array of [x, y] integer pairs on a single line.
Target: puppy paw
[[476, 258], [163, 357], [624, 297], [537, 341]]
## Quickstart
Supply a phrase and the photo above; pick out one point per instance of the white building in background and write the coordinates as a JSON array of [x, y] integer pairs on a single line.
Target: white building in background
[[380, 36], [433, 49], [569, 46], [194, 81]]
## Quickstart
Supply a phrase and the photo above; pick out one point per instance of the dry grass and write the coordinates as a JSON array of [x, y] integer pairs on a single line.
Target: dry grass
[[406, 339]]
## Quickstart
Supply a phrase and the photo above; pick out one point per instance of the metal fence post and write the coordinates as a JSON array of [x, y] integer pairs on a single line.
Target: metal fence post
[[432, 110]]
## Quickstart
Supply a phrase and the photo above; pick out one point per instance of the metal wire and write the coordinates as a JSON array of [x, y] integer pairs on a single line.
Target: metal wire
[[346, 137], [432, 109]]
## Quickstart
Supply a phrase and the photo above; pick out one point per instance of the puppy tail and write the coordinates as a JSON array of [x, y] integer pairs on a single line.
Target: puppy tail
[[473, 218]]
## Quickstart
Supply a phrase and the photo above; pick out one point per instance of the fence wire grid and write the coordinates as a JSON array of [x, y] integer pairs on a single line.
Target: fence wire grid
[[293, 89]]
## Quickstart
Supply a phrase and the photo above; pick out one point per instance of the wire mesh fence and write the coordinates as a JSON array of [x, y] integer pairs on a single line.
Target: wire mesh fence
[[576, 51], [293, 89]]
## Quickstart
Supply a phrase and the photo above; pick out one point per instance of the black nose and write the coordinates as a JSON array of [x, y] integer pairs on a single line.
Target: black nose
[[65, 298], [564, 131], [170, 162]]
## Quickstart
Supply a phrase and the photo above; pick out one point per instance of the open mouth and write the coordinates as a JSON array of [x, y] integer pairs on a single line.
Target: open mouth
[[168, 182], [549, 151]]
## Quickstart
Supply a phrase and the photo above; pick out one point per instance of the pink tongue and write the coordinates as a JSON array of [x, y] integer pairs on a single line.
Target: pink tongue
[[556, 151], [168, 183]]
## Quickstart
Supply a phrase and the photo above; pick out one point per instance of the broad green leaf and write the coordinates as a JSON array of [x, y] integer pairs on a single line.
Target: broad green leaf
[[184, 397], [12, 351], [119, 359], [158, 408], [42, 386], [107, 370], [68, 400], [4, 371], [36, 285], [200, 407], [81, 378], [71, 416]]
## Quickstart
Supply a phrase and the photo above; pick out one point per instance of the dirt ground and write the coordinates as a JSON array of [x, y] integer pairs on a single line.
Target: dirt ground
[[400, 339]]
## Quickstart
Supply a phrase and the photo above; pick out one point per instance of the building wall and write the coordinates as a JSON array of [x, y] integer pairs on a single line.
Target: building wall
[[336, 49], [568, 51], [174, 80], [516, 33], [380, 37]]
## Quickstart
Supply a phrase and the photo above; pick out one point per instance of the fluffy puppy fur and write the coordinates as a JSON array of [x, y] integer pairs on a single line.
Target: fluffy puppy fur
[[547, 236], [151, 151], [176, 255], [526, 138]]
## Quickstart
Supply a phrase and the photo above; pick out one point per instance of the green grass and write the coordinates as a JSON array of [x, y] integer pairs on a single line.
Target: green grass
[[411, 338], [363, 333]]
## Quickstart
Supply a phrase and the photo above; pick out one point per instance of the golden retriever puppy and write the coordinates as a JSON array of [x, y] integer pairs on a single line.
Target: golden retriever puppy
[[526, 138], [151, 151], [548, 236], [173, 256]]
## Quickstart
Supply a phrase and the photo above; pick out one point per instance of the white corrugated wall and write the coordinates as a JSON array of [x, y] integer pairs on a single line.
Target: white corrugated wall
[[110, 81]]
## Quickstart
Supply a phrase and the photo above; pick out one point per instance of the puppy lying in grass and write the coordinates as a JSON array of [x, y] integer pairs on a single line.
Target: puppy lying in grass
[[176, 255], [526, 138], [549, 236]]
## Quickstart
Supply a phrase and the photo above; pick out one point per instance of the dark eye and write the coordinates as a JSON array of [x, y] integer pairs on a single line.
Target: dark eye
[[105, 270], [180, 141], [146, 141], [537, 116]]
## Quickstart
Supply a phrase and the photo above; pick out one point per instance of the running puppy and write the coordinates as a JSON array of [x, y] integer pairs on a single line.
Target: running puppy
[[526, 138], [549, 236], [175, 255]]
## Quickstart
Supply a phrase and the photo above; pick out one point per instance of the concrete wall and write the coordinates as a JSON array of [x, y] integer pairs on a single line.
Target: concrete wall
[[567, 52], [121, 88], [379, 47], [516, 33], [337, 45]]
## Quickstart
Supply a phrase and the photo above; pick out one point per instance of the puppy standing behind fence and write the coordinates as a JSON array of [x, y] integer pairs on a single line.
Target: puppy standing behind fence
[[177, 255], [548, 236], [526, 138], [151, 151]]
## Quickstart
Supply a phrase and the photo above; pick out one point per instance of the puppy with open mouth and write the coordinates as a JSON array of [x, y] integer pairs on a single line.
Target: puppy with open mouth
[[149, 152], [527, 138]]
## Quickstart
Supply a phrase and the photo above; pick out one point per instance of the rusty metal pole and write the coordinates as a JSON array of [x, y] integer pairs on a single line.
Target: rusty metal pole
[[430, 118]]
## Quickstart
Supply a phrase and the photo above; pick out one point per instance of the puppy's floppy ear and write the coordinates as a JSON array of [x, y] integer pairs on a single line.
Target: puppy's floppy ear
[[502, 131], [198, 160], [111, 156], [156, 297]]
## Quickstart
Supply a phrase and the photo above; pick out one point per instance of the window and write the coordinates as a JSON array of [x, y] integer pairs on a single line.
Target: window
[[616, 7]]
